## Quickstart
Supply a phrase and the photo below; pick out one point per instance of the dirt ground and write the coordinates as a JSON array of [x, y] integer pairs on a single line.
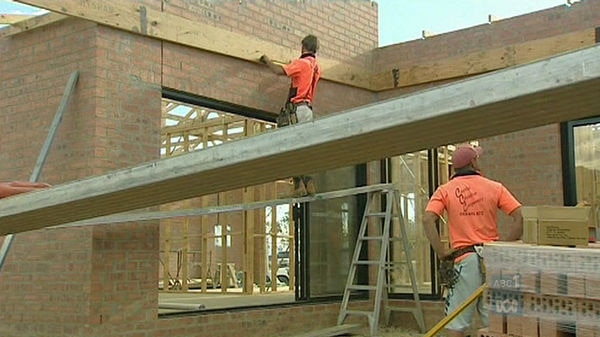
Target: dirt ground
[[401, 332], [395, 332], [392, 332]]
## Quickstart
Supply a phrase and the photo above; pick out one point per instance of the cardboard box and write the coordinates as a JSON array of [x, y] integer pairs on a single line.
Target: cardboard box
[[556, 225]]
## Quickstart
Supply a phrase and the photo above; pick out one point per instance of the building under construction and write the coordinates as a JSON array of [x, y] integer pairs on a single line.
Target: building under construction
[[155, 123]]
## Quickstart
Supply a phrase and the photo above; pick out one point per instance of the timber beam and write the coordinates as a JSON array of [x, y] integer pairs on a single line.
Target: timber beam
[[9, 19], [558, 89], [135, 18], [29, 24], [138, 19], [482, 61]]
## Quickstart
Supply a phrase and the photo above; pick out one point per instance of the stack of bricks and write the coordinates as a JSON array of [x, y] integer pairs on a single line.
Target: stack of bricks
[[542, 291]]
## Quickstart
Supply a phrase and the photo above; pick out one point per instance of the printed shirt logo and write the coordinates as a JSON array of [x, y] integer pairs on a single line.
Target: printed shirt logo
[[468, 198]]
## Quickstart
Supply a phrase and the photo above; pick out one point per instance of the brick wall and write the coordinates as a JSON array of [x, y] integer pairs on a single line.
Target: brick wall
[[346, 29], [59, 282], [102, 280], [45, 281]]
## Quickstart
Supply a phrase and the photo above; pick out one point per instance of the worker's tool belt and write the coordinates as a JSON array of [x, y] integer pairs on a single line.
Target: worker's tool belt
[[287, 115], [446, 273]]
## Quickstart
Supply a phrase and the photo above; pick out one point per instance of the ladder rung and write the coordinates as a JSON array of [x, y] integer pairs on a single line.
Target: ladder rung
[[379, 214], [366, 262], [359, 312], [396, 264], [372, 238], [362, 287], [403, 309]]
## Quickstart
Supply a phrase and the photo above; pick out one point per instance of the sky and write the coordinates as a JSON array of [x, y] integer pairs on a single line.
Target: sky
[[404, 20]]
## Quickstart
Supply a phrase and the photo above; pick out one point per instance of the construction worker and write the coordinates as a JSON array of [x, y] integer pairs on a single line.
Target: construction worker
[[304, 73], [471, 202], [8, 189]]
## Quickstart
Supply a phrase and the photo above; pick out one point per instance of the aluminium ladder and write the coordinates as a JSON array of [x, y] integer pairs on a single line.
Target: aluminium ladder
[[374, 233]]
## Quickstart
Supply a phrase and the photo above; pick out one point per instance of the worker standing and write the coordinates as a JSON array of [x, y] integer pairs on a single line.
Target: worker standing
[[304, 73], [471, 202]]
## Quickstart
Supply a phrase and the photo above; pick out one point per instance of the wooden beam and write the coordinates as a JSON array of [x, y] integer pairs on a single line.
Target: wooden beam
[[220, 209], [9, 19], [139, 19], [482, 61], [37, 21], [559, 89]]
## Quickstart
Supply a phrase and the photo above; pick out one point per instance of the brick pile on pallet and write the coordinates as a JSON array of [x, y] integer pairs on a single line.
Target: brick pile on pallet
[[542, 291]]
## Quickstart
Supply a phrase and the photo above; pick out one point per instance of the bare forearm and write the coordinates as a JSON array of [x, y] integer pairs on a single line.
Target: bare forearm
[[17, 187], [433, 235], [276, 68], [516, 227]]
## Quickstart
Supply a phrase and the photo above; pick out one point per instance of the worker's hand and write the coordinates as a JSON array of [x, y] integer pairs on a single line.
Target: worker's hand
[[8, 189], [264, 59], [28, 184]]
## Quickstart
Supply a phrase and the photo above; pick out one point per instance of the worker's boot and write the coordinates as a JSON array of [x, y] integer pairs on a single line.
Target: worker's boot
[[311, 189], [299, 188]]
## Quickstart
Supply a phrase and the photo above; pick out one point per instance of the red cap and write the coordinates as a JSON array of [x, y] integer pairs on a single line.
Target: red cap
[[464, 154]]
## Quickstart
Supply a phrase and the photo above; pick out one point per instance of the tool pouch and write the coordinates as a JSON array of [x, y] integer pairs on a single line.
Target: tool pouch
[[287, 115], [447, 276]]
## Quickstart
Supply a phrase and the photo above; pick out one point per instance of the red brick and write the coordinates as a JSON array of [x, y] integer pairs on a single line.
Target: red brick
[[497, 322], [486, 333]]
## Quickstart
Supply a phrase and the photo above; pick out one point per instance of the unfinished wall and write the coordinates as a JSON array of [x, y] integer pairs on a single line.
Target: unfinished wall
[[47, 271], [102, 281]]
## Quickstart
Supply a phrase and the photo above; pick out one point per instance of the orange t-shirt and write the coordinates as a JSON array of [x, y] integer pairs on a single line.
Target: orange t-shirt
[[472, 202], [302, 72]]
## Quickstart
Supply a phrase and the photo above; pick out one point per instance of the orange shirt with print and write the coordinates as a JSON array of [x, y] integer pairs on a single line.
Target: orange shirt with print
[[305, 73], [472, 202]]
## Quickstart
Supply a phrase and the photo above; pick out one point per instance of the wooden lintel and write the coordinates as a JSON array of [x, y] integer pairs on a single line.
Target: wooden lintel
[[9, 19], [139, 19], [28, 24], [482, 61], [558, 89]]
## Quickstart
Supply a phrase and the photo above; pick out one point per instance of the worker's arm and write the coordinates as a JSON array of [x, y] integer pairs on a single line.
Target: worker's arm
[[433, 236], [276, 68], [17, 187], [516, 227]]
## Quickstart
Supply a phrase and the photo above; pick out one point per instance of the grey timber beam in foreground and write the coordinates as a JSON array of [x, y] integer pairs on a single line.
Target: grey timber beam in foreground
[[558, 89]]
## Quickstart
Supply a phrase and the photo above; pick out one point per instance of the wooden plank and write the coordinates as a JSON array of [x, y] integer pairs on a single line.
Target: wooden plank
[[139, 19], [30, 24], [558, 89], [246, 206], [483, 61], [9, 19], [337, 330]]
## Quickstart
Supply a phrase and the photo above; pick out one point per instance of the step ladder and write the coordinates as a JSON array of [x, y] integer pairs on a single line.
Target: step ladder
[[374, 237]]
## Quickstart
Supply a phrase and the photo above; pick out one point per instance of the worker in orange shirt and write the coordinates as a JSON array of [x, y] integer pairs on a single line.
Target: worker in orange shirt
[[8, 189], [304, 73], [471, 202]]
